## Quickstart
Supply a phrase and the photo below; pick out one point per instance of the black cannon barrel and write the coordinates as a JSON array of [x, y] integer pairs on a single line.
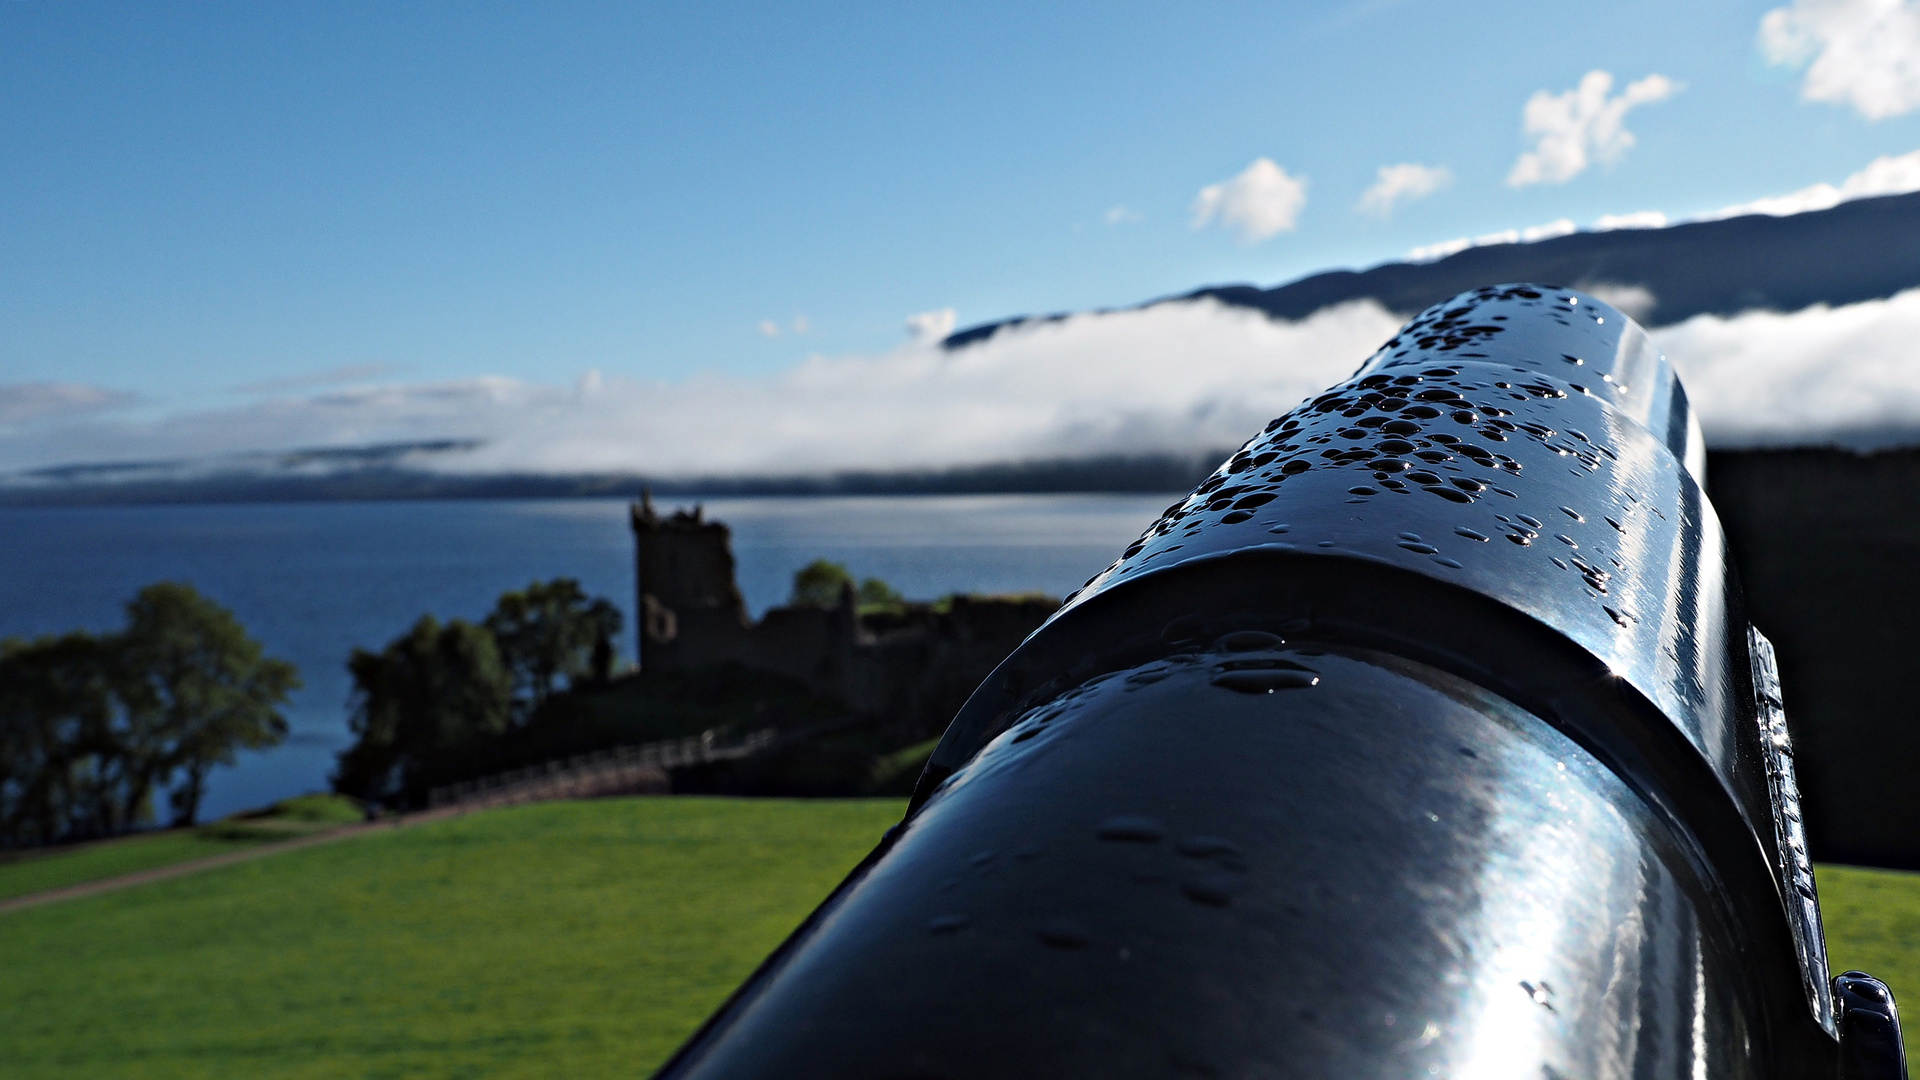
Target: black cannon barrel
[[1426, 738]]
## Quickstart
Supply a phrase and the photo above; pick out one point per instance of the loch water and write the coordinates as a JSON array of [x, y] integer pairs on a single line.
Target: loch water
[[313, 580]]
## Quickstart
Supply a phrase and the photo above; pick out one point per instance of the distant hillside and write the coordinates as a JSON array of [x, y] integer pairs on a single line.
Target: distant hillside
[[1855, 251], [1112, 473]]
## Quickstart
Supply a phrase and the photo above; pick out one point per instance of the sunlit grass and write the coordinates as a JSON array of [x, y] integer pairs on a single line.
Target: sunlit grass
[[574, 939], [564, 939], [1873, 925], [60, 867]]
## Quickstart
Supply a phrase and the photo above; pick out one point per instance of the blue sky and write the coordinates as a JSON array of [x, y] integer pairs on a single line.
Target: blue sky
[[204, 205]]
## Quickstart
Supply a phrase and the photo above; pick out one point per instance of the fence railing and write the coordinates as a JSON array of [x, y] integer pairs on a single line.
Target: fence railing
[[603, 772]]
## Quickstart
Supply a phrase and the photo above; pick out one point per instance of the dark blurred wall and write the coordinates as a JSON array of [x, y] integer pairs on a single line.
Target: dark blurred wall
[[1828, 546]]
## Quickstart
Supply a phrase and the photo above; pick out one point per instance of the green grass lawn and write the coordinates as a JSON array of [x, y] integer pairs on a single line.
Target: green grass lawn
[[111, 858], [1873, 925], [37, 871], [563, 939]]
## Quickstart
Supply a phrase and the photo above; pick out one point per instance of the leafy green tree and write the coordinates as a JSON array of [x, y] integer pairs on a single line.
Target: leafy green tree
[[819, 584], [421, 707], [550, 630], [197, 689], [877, 594], [92, 727], [56, 717]]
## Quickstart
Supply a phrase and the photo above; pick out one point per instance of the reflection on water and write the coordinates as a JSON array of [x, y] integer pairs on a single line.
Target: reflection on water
[[313, 580]]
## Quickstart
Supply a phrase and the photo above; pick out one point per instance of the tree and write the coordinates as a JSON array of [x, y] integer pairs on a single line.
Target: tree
[[420, 705], [197, 688], [877, 594], [819, 584], [549, 630], [91, 727], [56, 716]]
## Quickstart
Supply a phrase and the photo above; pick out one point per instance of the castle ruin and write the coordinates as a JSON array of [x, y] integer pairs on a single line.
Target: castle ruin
[[913, 668]]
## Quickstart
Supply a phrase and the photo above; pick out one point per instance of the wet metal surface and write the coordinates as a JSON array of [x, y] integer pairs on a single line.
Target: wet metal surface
[[1426, 738], [1381, 872]]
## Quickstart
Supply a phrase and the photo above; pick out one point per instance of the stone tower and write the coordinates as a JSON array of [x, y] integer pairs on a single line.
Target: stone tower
[[688, 601]]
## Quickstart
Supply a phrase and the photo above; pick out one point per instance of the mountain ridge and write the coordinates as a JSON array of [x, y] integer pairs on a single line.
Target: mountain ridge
[[1840, 255]]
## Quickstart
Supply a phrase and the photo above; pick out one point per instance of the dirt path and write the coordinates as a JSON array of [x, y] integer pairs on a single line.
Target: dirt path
[[194, 866]]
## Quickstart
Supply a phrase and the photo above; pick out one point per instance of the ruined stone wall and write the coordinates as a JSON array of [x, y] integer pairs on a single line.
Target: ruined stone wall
[[691, 611], [912, 670]]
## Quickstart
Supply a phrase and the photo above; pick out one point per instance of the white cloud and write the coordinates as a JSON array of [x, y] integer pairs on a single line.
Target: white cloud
[[1886, 175], [1402, 183], [1639, 219], [1582, 122], [22, 403], [1121, 215], [1865, 53], [929, 327], [769, 328], [1175, 377], [802, 324], [1262, 201], [1430, 252], [1636, 301], [1843, 375], [1181, 376]]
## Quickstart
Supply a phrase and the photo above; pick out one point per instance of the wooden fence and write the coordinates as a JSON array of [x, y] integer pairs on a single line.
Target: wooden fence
[[624, 770]]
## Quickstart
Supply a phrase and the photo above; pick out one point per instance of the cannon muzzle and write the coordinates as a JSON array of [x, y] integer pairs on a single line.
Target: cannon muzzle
[[1426, 738]]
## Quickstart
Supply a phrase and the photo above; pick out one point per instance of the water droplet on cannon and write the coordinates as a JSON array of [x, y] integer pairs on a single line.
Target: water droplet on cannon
[[1203, 847], [947, 924], [1184, 628], [1470, 534], [1249, 641], [1265, 681], [1063, 933], [1132, 828], [1216, 888]]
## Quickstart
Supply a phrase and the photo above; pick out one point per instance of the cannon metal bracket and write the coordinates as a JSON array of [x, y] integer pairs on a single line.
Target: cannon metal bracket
[[1870, 1046], [1793, 865]]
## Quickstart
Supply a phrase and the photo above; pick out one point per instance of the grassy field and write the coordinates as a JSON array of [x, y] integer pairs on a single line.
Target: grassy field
[[1873, 925], [110, 858], [564, 939], [38, 871]]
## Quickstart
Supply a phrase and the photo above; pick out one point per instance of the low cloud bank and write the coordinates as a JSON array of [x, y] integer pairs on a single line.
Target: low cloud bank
[[1845, 376], [1177, 377]]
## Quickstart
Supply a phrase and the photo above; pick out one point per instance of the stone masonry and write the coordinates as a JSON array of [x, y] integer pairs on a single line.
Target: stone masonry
[[912, 669]]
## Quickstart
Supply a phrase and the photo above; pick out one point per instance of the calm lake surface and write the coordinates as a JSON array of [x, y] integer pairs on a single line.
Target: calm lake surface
[[313, 580]]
